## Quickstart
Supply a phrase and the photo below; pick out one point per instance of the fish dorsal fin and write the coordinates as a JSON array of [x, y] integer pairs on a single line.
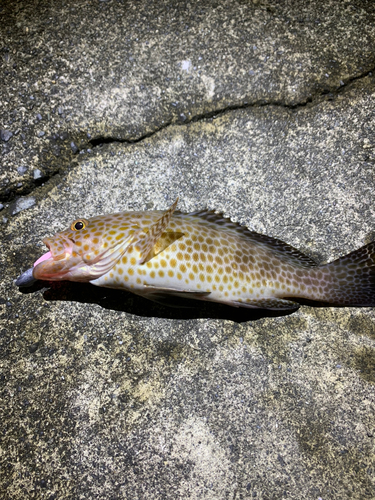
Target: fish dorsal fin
[[148, 238], [283, 250]]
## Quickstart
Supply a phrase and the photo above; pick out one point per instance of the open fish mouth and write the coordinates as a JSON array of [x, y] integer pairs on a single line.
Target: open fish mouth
[[46, 256], [55, 253]]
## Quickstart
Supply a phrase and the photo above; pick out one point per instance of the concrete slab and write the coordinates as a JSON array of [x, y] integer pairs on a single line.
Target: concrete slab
[[106, 395]]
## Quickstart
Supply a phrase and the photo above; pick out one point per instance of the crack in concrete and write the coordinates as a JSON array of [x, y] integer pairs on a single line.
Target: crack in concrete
[[97, 142]]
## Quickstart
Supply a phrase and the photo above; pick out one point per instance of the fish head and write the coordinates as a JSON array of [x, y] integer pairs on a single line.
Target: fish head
[[85, 251]]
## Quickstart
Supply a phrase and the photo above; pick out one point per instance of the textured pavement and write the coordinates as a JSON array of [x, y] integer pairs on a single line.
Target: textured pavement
[[264, 112]]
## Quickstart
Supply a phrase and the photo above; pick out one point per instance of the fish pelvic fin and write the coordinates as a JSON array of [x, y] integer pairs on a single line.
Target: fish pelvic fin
[[147, 240], [353, 278]]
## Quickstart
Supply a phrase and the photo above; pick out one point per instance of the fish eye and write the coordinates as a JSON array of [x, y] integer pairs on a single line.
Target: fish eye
[[79, 224]]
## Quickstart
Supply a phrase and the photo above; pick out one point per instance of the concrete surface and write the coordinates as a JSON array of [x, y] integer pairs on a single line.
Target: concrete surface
[[262, 111]]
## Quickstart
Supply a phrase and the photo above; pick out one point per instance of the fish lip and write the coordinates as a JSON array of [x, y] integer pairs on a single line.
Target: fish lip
[[67, 244], [60, 250]]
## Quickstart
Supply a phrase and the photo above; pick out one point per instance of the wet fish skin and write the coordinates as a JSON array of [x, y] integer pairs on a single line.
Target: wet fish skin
[[202, 256]]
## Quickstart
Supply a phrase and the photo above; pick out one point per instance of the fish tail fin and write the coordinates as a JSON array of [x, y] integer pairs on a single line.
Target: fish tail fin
[[354, 278]]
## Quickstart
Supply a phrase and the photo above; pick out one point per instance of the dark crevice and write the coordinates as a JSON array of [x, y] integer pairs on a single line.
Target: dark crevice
[[99, 141], [353, 79], [28, 189]]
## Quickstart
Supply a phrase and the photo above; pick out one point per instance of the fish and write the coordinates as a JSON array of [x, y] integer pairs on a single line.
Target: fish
[[201, 255]]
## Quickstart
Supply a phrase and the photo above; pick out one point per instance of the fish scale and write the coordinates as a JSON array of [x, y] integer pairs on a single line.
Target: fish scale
[[201, 256]]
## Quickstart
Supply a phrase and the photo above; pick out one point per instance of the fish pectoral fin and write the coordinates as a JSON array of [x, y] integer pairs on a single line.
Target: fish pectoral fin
[[148, 237], [162, 243], [165, 295], [270, 303]]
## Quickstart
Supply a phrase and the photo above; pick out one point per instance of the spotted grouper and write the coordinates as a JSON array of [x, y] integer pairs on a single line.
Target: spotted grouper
[[202, 256]]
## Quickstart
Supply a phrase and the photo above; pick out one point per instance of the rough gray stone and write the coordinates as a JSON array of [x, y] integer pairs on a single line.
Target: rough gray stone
[[22, 204], [5, 135], [37, 174], [106, 395]]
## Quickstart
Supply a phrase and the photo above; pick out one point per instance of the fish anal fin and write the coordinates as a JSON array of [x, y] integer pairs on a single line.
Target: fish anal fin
[[149, 236], [270, 303]]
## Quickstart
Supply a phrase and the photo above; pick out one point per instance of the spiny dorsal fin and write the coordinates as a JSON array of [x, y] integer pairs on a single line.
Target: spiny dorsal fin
[[147, 240], [283, 250]]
